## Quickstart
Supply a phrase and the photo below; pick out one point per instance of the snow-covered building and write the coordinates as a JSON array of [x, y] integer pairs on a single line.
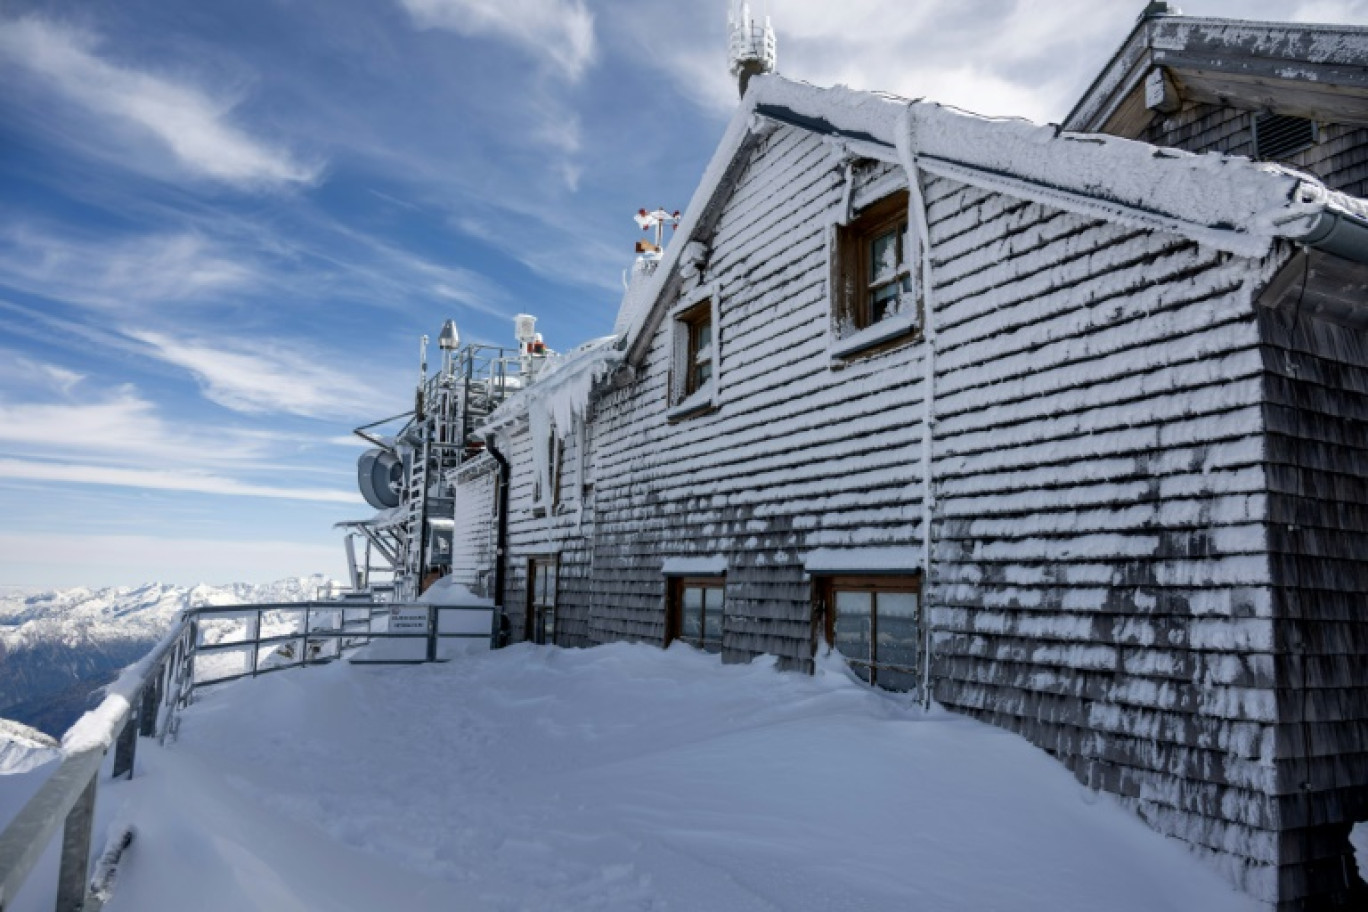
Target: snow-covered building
[[1066, 429]]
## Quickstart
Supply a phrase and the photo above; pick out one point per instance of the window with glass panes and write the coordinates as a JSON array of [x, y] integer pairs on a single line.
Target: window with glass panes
[[541, 600], [695, 610], [874, 268], [874, 622], [888, 281], [698, 360]]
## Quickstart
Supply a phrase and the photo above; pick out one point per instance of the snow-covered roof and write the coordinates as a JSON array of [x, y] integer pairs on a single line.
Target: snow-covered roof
[[1226, 202], [561, 390], [1237, 61]]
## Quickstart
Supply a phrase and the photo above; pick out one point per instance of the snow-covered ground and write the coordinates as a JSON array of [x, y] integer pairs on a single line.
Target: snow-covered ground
[[620, 777]]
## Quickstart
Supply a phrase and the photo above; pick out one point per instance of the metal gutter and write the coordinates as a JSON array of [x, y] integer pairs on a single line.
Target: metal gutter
[[1340, 233]]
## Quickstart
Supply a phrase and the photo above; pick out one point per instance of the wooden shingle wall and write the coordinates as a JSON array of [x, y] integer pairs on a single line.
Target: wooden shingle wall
[[473, 539], [1339, 158], [796, 456], [1100, 582], [563, 534], [1316, 410]]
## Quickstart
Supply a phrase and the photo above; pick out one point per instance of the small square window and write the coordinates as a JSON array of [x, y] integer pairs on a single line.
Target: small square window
[[694, 611], [874, 291], [874, 621]]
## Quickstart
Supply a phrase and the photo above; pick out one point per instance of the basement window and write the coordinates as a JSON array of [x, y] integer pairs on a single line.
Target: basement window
[[874, 295], [874, 622], [695, 608], [693, 375], [1278, 137]]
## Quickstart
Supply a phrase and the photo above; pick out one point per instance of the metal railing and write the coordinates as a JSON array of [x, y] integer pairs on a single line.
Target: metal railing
[[209, 645]]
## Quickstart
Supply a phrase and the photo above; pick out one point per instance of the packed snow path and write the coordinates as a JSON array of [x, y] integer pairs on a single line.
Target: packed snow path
[[621, 777]]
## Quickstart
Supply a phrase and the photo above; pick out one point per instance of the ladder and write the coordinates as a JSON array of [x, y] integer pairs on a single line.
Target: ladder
[[415, 521]]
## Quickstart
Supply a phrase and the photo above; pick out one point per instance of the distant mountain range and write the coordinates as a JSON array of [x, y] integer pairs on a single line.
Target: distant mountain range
[[58, 647]]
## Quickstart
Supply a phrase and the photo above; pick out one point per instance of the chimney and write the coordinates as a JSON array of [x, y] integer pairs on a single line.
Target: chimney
[[751, 47], [1157, 9]]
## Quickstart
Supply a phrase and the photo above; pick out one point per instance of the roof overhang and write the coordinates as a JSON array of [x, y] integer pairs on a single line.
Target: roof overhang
[[1315, 71]]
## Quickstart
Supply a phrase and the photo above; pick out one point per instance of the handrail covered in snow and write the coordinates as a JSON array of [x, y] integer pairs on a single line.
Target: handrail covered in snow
[[153, 684], [208, 645]]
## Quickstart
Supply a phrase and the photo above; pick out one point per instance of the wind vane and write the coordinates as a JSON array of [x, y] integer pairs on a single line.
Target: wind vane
[[657, 220]]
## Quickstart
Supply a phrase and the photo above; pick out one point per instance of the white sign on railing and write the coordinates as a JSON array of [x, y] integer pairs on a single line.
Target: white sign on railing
[[408, 619]]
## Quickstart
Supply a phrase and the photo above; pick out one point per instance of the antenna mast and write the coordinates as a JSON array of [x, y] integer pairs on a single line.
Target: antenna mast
[[751, 48]]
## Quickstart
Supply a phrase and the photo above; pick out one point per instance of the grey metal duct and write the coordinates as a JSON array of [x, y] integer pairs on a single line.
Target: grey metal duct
[[1339, 233], [379, 475]]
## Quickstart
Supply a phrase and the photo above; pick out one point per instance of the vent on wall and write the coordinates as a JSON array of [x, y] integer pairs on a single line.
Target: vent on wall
[[1276, 136]]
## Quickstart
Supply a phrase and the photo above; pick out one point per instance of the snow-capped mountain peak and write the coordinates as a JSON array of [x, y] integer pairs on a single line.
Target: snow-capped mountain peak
[[80, 615]]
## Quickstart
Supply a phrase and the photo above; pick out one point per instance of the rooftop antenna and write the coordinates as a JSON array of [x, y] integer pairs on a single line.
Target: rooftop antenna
[[751, 49]]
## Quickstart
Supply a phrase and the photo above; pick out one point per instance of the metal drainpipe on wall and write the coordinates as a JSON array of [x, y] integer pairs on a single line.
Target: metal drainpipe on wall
[[916, 216]]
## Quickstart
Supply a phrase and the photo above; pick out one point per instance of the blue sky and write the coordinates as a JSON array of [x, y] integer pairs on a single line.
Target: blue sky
[[225, 225]]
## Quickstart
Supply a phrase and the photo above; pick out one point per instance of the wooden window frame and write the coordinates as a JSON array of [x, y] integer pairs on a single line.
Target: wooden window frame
[[852, 285], [534, 626], [695, 320], [825, 588], [674, 610], [689, 375]]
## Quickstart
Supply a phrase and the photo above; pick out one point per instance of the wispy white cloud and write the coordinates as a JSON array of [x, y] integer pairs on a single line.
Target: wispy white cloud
[[191, 124], [162, 480], [999, 57], [19, 371], [115, 273], [257, 378], [558, 31], [120, 426]]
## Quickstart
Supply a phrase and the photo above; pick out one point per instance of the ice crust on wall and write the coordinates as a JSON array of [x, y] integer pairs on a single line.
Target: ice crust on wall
[[556, 402]]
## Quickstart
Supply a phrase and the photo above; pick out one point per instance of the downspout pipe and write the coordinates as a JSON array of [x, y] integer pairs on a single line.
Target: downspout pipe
[[921, 233], [500, 542]]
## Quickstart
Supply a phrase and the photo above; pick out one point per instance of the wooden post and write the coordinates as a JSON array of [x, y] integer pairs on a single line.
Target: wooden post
[[73, 881]]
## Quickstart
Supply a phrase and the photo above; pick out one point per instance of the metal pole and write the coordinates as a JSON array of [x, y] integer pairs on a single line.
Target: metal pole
[[188, 688], [147, 710], [432, 633], [126, 747], [256, 645], [352, 575], [74, 879]]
